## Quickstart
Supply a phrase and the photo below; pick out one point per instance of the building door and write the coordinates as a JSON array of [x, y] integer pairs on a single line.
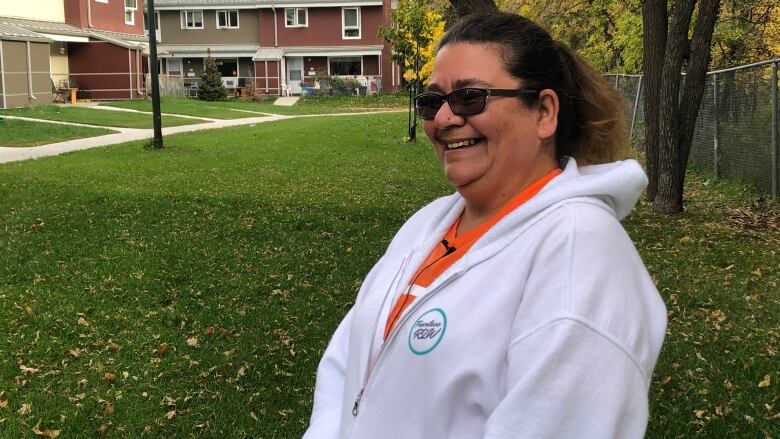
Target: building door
[[294, 74]]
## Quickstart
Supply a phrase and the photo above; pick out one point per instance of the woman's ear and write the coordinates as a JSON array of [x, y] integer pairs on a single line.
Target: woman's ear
[[548, 114]]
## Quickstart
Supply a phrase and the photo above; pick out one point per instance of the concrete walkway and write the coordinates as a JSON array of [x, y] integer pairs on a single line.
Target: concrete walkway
[[8, 154], [124, 135]]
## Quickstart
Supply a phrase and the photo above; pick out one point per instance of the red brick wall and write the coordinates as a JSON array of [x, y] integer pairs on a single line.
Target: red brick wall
[[318, 64], [111, 17], [105, 16], [76, 13], [103, 70], [324, 28], [370, 65]]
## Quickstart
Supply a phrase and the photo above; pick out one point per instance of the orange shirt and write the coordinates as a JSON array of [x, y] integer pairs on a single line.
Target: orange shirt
[[441, 258]]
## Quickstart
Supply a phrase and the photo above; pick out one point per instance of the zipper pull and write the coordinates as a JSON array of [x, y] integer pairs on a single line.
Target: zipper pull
[[357, 402]]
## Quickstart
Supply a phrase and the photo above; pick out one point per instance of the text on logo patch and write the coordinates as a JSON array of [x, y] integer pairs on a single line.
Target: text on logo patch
[[427, 331]]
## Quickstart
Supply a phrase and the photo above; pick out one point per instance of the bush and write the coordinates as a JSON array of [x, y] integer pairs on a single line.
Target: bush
[[335, 86], [210, 87]]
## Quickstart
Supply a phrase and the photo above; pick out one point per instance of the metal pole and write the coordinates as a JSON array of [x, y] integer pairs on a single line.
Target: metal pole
[[716, 140], [156, 115], [775, 146], [636, 106]]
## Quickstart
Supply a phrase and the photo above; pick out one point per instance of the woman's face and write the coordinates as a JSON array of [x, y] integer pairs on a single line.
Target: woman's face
[[504, 153]]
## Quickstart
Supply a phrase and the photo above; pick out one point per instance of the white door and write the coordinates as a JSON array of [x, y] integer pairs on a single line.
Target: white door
[[294, 74]]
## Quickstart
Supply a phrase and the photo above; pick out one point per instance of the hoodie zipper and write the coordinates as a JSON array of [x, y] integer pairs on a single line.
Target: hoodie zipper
[[395, 281], [392, 336]]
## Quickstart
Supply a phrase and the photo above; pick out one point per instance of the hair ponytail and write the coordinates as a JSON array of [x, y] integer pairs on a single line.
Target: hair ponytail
[[591, 125], [600, 133]]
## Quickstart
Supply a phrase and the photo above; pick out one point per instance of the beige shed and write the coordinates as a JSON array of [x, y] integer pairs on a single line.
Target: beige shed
[[25, 77]]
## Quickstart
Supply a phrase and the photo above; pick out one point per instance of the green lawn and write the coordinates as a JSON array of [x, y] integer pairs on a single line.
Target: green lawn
[[306, 105], [20, 133], [190, 292], [91, 116], [189, 107]]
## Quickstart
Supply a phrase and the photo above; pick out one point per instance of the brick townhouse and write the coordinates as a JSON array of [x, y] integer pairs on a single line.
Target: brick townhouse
[[97, 46], [282, 44]]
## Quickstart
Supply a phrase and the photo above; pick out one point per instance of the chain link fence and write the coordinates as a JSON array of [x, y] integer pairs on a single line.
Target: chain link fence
[[736, 133]]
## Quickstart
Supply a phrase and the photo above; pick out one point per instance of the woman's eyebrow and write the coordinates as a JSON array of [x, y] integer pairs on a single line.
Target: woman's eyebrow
[[469, 82], [460, 83]]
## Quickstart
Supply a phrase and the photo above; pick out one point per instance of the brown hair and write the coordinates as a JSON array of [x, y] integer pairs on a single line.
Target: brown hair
[[591, 125]]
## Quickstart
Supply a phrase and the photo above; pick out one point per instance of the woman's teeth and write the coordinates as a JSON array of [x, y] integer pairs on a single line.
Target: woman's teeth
[[461, 144]]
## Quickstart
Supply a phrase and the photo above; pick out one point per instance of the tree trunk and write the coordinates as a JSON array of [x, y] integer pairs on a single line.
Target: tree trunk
[[654, 19], [678, 111], [696, 78], [667, 199], [463, 8]]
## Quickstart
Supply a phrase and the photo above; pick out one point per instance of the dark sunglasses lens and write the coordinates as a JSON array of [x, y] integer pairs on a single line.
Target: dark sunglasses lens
[[427, 105], [468, 101]]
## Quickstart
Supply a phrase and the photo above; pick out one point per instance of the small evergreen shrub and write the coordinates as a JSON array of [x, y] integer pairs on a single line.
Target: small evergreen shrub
[[210, 87]]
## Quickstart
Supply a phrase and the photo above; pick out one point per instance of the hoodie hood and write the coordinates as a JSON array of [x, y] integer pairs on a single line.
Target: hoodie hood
[[617, 184], [615, 187]]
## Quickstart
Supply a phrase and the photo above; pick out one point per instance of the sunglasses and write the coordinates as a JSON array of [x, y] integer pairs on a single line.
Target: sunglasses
[[463, 101]]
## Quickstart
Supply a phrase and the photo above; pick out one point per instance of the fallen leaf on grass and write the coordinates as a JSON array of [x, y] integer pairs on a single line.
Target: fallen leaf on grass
[[685, 240], [765, 382], [192, 342], [3, 404], [75, 352], [26, 369], [112, 346], [47, 432], [171, 414], [109, 408], [253, 416], [665, 380], [25, 409], [38, 225], [82, 322], [28, 310], [110, 377], [208, 331], [163, 348]]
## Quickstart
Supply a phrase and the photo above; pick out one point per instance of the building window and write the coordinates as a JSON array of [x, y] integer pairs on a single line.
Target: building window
[[345, 65], [350, 23], [156, 22], [101, 1], [192, 19], [174, 66], [130, 7], [296, 17], [227, 19]]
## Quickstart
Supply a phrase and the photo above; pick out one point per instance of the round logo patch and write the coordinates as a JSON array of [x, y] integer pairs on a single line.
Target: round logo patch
[[427, 331]]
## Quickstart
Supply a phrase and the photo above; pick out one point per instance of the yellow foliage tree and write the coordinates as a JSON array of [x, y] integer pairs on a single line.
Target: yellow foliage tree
[[433, 32], [417, 26]]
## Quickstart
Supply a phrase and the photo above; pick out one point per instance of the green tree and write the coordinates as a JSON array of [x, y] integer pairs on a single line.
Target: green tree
[[415, 28], [210, 87], [607, 33], [744, 32]]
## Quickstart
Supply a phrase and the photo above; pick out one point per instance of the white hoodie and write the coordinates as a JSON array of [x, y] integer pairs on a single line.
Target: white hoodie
[[548, 327]]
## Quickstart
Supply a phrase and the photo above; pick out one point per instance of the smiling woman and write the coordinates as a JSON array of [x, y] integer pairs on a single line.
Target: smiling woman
[[518, 306]]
